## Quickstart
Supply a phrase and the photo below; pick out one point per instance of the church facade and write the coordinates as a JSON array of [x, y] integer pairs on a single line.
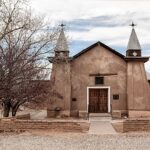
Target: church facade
[[100, 80]]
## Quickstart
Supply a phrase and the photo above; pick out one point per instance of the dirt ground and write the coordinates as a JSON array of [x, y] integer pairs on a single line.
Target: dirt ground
[[39, 140], [52, 140]]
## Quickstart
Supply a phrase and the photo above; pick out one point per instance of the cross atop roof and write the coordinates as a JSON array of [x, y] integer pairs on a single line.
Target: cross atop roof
[[62, 25], [132, 24]]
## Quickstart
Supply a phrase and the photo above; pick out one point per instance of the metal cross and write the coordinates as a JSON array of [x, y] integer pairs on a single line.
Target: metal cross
[[132, 25], [62, 25]]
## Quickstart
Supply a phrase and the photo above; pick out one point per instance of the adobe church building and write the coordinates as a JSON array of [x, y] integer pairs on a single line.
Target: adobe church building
[[100, 80]]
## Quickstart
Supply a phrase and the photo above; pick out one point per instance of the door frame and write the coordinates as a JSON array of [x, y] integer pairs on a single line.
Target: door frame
[[99, 87]]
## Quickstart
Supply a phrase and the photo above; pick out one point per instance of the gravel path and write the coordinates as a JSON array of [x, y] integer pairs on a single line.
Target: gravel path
[[74, 141]]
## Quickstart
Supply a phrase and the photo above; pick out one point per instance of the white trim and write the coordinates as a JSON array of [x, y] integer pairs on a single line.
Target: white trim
[[99, 87]]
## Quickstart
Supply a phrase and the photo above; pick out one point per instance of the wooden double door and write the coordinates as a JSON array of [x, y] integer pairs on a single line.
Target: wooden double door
[[98, 100]]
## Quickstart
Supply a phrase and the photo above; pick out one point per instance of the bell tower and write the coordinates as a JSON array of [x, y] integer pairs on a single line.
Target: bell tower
[[60, 77], [138, 90]]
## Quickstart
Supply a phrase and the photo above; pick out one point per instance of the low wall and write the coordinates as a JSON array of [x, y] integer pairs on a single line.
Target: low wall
[[23, 117], [133, 124], [7, 125], [136, 125], [118, 125]]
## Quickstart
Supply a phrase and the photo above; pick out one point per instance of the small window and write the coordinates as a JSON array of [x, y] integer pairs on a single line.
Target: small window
[[116, 96], [74, 99], [99, 80]]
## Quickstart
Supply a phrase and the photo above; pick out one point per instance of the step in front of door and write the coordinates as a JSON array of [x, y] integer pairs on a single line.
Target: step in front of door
[[99, 115]]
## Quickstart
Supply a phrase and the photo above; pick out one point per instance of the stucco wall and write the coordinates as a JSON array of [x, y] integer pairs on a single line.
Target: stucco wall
[[138, 90], [98, 60], [60, 78]]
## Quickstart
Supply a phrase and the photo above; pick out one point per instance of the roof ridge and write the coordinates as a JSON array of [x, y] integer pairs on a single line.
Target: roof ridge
[[95, 44]]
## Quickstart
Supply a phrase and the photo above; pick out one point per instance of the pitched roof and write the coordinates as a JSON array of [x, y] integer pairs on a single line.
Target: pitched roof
[[96, 44], [133, 43], [61, 44]]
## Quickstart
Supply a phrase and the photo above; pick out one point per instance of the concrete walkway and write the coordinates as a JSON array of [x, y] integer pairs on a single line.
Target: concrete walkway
[[101, 126]]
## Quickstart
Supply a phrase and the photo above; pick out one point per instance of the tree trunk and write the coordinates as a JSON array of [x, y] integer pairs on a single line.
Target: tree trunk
[[6, 112], [6, 108], [14, 111]]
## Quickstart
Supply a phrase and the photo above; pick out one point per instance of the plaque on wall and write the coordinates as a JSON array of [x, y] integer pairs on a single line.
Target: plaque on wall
[[74, 99], [116, 97]]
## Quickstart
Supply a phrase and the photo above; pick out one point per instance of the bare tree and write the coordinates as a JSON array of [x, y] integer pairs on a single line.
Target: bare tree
[[25, 40]]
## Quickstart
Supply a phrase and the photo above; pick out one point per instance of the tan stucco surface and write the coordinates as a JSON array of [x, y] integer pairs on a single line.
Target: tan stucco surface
[[98, 60], [62, 87], [127, 79], [138, 87]]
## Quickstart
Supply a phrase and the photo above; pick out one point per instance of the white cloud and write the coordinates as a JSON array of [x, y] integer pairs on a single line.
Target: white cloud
[[73, 9], [117, 36], [123, 11], [100, 33]]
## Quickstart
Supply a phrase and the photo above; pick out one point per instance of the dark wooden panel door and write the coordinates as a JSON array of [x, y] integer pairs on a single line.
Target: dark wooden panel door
[[98, 100]]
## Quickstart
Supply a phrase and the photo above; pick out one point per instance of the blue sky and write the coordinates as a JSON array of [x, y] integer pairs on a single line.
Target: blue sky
[[89, 21]]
